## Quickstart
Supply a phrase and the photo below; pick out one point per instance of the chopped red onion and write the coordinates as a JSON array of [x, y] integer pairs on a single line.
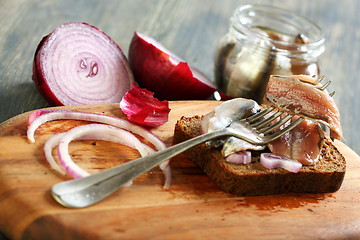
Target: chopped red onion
[[79, 64], [243, 157], [141, 107], [271, 161]]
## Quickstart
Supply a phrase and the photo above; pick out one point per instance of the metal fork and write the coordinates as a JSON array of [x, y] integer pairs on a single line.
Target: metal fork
[[83, 192]]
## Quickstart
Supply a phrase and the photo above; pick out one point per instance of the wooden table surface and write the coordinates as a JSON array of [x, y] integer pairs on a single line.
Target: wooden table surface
[[188, 28]]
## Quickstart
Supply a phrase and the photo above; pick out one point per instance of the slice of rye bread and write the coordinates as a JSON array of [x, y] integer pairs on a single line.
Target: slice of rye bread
[[254, 179]]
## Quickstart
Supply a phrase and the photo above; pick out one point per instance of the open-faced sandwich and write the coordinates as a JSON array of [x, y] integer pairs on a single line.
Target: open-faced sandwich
[[303, 160]]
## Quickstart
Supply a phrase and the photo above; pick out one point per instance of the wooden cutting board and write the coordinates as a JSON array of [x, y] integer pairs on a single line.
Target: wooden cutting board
[[193, 208]]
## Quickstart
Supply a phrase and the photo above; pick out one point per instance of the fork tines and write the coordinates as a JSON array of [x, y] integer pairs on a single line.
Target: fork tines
[[271, 118]]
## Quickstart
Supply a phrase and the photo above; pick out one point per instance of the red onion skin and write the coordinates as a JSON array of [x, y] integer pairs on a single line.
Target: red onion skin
[[139, 59], [225, 97], [191, 88], [153, 69], [41, 82]]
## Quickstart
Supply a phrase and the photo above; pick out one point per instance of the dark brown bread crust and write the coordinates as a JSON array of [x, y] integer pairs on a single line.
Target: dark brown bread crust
[[254, 179]]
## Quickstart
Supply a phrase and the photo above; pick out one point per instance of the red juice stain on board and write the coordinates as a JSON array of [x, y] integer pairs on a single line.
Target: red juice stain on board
[[283, 201]]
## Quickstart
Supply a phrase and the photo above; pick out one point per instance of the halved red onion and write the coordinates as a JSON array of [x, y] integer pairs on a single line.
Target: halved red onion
[[79, 64], [271, 161], [141, 107], [39, 117], [243, 157], [164, 73], [98, 132]]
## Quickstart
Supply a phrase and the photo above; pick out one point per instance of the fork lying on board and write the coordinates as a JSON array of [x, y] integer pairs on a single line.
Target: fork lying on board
[[89, 190]]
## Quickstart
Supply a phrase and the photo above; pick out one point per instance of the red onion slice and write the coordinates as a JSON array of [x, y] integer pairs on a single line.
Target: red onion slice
[[111, 134], [79, 64], [39, 117], [271, 161], [98, 132], [49, 145], [243, 157], [164, 73], [140, 106], [166, 169]]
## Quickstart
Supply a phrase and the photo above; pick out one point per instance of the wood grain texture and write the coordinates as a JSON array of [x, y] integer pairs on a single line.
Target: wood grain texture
[[190, 29], [193, 208]]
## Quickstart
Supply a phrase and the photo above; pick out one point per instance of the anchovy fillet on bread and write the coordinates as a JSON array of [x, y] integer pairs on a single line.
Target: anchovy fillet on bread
[[254, 179], [320, 167]]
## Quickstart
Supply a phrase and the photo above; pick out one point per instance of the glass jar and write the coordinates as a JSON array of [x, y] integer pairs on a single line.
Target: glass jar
[[262, 41]]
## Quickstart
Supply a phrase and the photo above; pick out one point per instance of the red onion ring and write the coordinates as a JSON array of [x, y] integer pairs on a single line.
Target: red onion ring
[[39, 117], [79, 64], [98, 132], [49, 145], [271, 161]]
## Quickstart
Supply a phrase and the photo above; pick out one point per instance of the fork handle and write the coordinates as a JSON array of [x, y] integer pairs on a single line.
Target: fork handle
[[89, 190]]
